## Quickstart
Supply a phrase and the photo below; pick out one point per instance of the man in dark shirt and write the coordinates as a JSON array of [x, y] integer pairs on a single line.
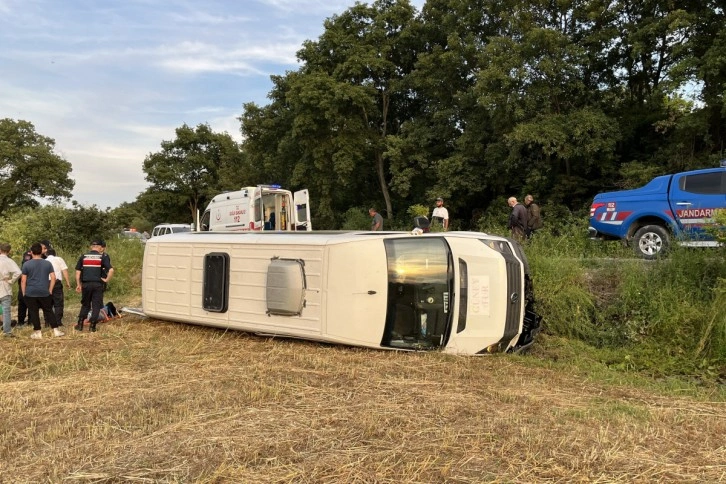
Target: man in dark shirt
[[93, 271], [22, 307], [534, 216], [37, 282], [517, 220]]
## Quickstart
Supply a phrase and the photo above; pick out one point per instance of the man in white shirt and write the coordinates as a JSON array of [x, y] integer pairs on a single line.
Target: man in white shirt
[[61, 273], [440, 215], [9, 273]]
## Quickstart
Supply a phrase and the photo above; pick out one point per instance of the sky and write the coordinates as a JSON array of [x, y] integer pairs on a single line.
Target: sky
[[109, 80]]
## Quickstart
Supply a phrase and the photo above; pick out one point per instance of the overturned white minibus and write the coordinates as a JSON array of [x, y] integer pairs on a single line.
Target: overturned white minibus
[[459, 292]]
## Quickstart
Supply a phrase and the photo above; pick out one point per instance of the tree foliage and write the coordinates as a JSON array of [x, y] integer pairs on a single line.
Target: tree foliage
[[29, 169], [476, 100], [335, 118], [190, 169]]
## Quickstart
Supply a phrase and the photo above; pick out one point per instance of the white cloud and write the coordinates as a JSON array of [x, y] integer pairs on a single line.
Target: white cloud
[[198, 17], [202, 64], [109, 81], [197, 57], [227, 123], [308, 6]]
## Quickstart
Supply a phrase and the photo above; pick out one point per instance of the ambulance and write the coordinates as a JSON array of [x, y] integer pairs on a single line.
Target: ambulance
[[255, 209]]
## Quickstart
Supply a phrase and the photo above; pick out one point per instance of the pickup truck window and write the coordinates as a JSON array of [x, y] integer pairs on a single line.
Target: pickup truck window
[[703, 183]]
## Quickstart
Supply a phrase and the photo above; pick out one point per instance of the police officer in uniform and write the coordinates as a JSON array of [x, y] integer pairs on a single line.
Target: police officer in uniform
[[93, 271]]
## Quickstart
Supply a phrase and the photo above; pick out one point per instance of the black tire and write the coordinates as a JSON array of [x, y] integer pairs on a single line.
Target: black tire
[[651, 241]]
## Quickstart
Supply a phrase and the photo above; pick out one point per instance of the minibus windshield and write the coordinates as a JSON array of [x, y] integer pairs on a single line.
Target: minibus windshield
[[420, 283]]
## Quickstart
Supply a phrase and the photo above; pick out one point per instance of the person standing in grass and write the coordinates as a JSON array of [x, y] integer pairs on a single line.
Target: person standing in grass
[[517, 220], [37, 281], [61, 273], [440, 215], [376, 220], [534, 216], [9, 273], [22, 308], [93, 272]]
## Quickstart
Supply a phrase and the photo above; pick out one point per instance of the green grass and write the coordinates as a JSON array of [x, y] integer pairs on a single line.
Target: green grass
[[662, 319], [659, 319], [127, 259]]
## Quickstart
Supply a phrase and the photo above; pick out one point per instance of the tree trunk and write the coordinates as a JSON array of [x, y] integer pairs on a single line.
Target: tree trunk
[[380, 169]]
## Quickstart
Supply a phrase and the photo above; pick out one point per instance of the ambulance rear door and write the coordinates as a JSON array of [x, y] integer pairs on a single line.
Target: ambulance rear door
[[257, 212], [301, 200]]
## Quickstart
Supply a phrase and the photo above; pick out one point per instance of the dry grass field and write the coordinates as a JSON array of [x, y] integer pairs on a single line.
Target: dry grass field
[[149, 401]]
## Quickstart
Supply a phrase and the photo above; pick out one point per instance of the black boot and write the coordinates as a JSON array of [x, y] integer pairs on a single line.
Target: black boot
[[79, 326], [93, 326]]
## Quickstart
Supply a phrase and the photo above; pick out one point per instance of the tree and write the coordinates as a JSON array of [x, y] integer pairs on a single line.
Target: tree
[[186, 172], [447, 143], [330, 123], [473, 100], [132, 215], [28, 167]]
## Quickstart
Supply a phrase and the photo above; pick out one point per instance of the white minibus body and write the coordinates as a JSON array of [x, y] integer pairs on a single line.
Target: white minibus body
[[460, 292]]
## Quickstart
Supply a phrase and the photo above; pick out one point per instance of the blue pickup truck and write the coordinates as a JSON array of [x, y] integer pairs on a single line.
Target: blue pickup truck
[[669, 207]]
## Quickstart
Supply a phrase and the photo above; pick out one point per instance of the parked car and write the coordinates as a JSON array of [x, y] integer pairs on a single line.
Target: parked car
[[166, 228], [132, 235]]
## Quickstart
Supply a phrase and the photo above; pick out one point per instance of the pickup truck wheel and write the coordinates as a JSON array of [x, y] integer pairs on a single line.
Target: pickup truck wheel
[[651, 241]]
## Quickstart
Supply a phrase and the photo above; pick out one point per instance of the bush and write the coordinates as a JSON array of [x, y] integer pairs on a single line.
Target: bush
[[718, 230], [664, 317], [67, 228], [357, 218], [562, 298]]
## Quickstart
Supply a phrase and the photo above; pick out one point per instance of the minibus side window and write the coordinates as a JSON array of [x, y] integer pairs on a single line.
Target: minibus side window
[[215, 291]]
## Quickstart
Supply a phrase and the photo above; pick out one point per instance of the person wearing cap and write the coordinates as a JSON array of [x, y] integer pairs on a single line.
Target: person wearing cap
[[37, 281], [440, 214], [92, 272]]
